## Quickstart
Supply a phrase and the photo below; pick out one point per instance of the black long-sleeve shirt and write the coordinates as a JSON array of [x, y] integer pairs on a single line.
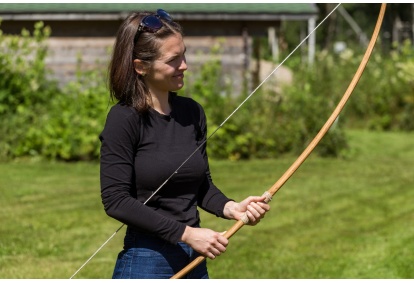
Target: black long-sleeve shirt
[[139, 152]]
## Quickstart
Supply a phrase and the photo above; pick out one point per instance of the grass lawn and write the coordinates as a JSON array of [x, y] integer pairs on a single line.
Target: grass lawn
[[335, 218]]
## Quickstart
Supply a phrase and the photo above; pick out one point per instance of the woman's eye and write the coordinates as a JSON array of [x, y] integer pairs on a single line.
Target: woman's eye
[[175, 59]]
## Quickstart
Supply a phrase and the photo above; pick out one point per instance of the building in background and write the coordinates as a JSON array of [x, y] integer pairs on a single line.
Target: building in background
[[86, 31]]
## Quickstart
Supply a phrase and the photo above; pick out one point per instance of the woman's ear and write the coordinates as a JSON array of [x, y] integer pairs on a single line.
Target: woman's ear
[[140, 67]]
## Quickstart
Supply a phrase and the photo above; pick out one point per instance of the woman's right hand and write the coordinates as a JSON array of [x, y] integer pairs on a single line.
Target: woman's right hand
[[205, 241]]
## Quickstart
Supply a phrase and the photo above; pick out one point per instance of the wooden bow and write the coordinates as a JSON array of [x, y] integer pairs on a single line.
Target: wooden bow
[[269, 193]]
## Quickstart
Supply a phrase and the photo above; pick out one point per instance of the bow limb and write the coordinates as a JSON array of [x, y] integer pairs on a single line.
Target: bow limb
[[292, 169]]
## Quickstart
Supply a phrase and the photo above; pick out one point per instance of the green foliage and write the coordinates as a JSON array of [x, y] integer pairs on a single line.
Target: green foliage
[[25, 90], [384, 98], [39, 118], [393, 93], [75, 119], [211, 89], [269, 124]]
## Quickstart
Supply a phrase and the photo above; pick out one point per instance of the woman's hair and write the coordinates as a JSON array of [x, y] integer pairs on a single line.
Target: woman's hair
[[125, 84]]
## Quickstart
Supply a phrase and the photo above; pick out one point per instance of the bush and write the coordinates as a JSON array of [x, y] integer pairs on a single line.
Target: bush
[[384, 96], [268, 124], [25, 91], [42, 119], [75, 119]]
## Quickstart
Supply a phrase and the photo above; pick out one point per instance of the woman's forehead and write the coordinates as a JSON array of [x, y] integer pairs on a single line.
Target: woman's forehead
[[172, 45]]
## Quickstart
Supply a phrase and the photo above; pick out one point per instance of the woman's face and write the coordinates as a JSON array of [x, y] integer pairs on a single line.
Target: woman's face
[[167, 72]]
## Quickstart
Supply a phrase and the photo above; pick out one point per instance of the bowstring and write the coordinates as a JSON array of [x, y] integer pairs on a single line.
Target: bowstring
[[212, 134]]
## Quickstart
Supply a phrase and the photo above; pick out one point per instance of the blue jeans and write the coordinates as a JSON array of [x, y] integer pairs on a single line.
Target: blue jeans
[[148, 257]]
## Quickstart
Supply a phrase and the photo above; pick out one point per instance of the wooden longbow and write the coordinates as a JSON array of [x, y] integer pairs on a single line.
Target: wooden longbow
[[270, 192]]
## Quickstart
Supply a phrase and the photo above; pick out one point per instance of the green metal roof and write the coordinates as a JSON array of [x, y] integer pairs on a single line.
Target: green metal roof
[[228, 8]]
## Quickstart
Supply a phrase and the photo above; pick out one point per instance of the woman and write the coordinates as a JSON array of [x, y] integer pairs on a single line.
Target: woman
[[148, 134]]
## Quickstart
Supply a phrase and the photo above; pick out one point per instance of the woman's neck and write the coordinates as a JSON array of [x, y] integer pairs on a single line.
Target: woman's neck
[[161, 104]]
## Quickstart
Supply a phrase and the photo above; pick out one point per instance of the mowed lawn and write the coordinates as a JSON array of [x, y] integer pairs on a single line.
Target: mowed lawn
[[335, 218]]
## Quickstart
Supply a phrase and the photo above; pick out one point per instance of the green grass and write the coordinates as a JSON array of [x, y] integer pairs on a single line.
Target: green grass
[[335, 218]]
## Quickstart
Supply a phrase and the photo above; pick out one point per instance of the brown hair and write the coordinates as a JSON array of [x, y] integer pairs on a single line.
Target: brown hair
[[125, 84]]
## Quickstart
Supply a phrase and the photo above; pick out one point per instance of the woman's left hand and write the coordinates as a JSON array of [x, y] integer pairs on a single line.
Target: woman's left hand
[[254, 207]]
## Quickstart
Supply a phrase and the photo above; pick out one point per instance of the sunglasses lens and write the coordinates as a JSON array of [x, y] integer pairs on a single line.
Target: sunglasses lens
[[152, 22], [164, 15]]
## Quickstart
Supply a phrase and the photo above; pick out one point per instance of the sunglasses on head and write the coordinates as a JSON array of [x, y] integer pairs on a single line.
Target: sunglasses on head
[[152, 23]]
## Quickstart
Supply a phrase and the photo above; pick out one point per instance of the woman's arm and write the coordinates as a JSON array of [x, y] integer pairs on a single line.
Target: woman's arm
[[119, 140]]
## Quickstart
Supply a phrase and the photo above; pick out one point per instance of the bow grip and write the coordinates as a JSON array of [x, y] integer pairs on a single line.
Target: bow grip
[[268, 198]]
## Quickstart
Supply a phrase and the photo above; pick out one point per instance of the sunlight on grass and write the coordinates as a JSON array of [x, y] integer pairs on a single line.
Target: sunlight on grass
[[335, 218]]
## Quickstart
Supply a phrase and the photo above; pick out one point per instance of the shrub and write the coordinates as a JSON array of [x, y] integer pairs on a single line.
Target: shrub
[[25, 91], [40, 119], [75, 119], [383, 99], [269, 124]]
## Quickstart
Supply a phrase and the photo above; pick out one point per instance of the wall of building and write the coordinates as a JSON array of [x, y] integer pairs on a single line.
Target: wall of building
[[88, 44], [66, 54]]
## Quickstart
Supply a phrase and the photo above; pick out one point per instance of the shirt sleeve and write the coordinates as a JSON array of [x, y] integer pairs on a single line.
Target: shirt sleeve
[[210, 198], [119, 140]]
